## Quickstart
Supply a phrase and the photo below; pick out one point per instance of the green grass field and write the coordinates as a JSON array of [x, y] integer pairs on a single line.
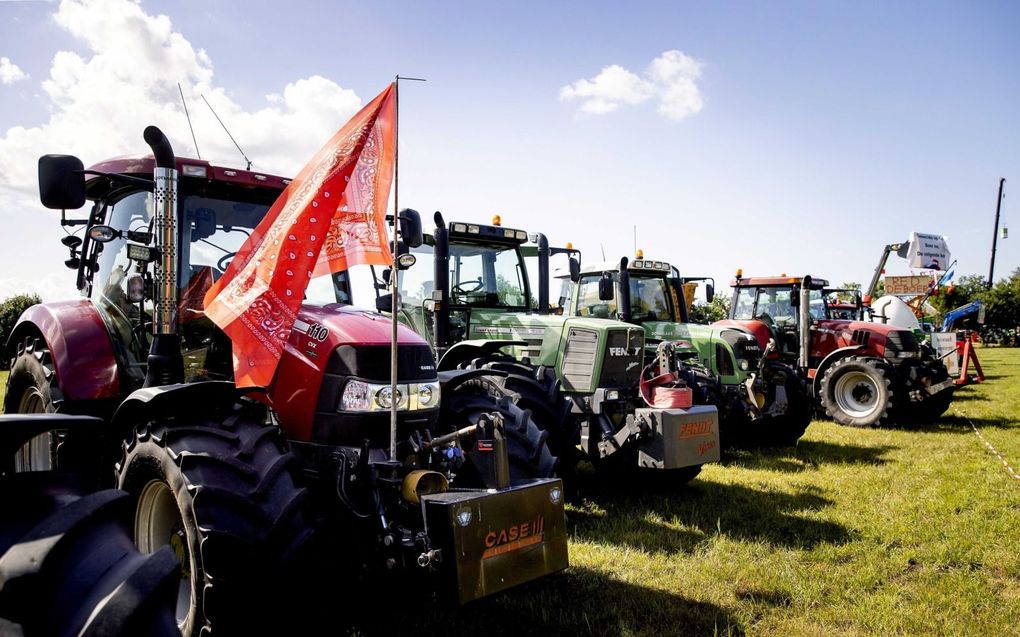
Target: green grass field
[[895, 531], [853, 532]]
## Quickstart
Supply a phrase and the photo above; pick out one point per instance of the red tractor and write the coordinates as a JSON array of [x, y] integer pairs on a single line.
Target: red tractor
[[239, 484], [862, 373]]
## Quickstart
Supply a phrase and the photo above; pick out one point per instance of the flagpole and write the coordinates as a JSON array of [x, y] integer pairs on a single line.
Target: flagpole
[[393, 267], [393, 274]]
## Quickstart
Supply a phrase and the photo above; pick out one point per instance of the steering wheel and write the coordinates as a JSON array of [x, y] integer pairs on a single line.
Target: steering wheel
[[224, 261], [462, 287]]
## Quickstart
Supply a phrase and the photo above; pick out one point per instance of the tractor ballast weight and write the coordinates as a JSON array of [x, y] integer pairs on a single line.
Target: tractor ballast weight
[[256, 485]]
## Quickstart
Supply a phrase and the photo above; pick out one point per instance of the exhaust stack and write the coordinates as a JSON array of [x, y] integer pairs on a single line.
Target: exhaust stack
[[804, 311], [165, 364]]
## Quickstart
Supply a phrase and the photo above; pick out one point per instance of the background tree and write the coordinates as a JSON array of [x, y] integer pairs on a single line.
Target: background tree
[[10, 311], [705, 313], [848, 297]]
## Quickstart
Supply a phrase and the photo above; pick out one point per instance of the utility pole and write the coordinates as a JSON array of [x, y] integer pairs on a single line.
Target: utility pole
[[995, 234]]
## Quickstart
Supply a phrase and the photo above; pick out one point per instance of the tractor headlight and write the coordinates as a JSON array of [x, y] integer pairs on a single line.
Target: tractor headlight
[[356, 397], [361, 396], [744, 364], [384, 397], [428, 395], [613, 394]]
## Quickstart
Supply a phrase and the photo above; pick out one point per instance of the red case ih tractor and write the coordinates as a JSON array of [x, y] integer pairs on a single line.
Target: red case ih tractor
[[244, 486], [862, 373]]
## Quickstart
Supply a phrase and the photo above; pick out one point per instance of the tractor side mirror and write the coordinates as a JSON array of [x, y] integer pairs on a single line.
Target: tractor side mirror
[[384, 303], [61, 182], [575, 270], [410, 227], [606, 291], [795, 298], [709, 292]]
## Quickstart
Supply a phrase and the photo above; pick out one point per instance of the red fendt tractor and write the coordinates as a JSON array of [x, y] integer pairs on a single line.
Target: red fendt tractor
[[239, 485], [863, 373]]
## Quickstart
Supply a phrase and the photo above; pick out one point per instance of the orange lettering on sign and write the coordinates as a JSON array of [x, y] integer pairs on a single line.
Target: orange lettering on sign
[[514, 537], [699, 428], [705, 446]]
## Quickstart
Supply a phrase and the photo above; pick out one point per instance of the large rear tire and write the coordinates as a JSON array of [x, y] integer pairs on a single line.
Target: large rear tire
[[857, 392], [68, 565], [221, 491], [527, 448]]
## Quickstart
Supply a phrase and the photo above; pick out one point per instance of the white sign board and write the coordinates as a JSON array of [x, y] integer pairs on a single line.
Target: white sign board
[[929, 252], [945, 347]]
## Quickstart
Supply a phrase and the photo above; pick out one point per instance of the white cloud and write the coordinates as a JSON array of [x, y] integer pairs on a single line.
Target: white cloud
[[124, 78], [10, 72], [101, 101], [670, 79]]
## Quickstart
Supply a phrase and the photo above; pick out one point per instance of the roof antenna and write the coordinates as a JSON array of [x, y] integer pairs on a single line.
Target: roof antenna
[[186, 114], [603, 248], [228, 132]]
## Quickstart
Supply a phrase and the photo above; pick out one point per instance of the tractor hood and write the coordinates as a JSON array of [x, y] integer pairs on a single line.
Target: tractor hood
[[335, 325], [326, 337]]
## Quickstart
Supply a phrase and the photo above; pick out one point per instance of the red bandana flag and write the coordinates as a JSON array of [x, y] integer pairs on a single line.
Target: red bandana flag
[[330, 217]]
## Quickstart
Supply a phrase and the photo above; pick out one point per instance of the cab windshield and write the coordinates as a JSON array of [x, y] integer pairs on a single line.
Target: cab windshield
[[488, 276], [650, 299], [775, 303]]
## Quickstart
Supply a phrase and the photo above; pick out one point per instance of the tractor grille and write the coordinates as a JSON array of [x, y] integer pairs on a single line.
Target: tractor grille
[[745, 347], [579, 359], [623, 360], [902, 342]]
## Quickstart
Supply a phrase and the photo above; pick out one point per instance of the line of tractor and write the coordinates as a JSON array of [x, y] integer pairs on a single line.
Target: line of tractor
[[145, 493]]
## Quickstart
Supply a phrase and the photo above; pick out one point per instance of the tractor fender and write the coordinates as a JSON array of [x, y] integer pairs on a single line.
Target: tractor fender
[[79, 343], [468, 350], [827, 362], [175, 401]]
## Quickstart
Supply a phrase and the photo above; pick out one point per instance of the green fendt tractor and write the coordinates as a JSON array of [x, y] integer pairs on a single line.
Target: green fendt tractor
[[478, 309], [761, 401]]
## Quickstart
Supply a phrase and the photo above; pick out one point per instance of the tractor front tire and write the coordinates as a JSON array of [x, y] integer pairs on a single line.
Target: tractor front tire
[[857, 392], [540, 393], [787, 429], [221, 491], [527, 449]]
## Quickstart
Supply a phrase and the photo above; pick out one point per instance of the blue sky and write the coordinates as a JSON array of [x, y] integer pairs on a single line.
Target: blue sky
[[825, 130]]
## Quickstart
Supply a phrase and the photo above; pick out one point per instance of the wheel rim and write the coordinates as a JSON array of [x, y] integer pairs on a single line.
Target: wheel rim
[[857, 394], [158, 523], [36, 454]]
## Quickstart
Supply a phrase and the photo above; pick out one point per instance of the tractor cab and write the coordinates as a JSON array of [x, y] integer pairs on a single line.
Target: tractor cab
[[485, 276], [770, 305], [217, 209]]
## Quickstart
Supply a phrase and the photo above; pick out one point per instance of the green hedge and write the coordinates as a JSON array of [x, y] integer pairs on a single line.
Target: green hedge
[[10, 311]]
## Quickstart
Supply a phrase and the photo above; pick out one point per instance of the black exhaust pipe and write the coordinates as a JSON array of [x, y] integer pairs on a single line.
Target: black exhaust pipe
[[441, 279], [624, 309], [543, 274]]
